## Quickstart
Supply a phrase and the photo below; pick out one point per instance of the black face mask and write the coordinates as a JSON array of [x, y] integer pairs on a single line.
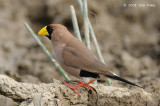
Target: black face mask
[[49, 30], [48, 36]]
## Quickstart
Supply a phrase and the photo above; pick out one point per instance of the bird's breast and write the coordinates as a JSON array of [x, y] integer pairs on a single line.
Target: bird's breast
[[58, 48]]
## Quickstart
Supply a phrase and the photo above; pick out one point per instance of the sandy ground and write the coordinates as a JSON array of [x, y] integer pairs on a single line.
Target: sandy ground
[[129, 39]]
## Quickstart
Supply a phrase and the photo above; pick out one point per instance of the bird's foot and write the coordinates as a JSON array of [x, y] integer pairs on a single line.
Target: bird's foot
[[86, 84], [72, 87], [81, 83]]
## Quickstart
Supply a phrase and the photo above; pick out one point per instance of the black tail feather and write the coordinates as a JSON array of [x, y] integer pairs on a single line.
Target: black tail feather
[[123, 80]]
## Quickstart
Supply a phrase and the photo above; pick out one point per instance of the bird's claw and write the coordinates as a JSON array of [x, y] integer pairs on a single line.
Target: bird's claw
[[81, 83], [86, 84], [72, 87]]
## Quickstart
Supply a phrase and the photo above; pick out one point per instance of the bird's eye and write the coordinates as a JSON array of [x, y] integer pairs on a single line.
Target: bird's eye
[[50, 30]]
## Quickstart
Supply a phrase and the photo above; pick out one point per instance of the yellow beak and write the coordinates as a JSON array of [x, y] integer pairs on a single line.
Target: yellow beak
[[43, 31]]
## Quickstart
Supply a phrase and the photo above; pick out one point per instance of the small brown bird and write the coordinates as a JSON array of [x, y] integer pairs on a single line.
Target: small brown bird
[[75, 58]]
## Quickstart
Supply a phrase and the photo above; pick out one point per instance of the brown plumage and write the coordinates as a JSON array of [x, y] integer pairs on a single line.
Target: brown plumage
[[74, 57]]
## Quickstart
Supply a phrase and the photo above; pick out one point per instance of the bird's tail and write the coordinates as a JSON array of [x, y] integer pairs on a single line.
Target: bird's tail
[[123, 80]]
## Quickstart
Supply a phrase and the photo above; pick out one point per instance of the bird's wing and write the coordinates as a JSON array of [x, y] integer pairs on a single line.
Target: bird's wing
[[77, 55]]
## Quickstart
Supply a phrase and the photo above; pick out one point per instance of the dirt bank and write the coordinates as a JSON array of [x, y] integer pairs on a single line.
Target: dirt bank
[[129, 39]]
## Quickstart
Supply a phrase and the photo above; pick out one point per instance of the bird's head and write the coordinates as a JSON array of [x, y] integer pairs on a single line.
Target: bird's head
[[53, 30]]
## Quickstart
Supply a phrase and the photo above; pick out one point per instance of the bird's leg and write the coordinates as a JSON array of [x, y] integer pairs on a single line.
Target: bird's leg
[[73, 87], [86, 84]]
